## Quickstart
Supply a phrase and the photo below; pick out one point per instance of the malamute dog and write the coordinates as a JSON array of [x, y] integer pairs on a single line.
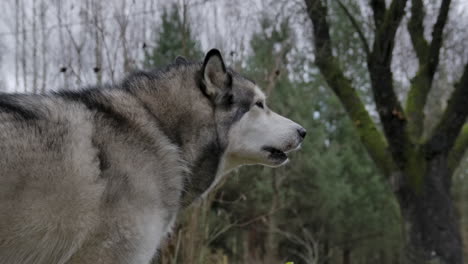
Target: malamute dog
[[98, 175]]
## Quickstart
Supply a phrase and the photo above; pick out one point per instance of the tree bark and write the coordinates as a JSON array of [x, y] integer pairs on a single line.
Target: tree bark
[[346, 255], [432, 229], [326, 250]]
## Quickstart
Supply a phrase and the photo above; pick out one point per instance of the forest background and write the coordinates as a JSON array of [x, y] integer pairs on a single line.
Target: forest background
[[378, 84]]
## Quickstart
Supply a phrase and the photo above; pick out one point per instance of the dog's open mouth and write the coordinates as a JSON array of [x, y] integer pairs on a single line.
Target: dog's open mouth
[[275, 154]]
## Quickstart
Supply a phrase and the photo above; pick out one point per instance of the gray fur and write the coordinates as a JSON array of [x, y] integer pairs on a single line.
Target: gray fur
[[98, 175]]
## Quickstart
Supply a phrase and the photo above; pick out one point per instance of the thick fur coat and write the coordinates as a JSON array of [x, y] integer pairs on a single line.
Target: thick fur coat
[[98, 175]]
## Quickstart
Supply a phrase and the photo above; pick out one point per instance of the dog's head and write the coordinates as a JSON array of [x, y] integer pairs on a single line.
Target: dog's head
[[251, 131]]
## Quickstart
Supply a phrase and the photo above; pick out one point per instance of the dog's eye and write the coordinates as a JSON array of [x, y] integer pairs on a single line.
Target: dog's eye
[[259, 104]]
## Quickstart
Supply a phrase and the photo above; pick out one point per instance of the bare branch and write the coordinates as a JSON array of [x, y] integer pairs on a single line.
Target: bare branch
[[379, 64], [378, 7], [274, 74], [416, 30], [428, 56], [358, 29], [459, 149], [437, 36], [371, 137], [452, 121]]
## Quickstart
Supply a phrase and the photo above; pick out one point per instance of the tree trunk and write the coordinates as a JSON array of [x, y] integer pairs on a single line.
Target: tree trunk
[[98, 42], [24, 54], [326, 250], [35, 43], [433, 233], [17, 33], [44, 37], [346, 255]]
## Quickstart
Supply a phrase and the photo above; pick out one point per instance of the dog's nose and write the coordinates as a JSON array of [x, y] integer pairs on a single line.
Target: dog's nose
[[302, 132]]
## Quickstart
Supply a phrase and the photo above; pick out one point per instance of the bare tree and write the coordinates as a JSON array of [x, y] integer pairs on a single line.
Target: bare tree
[[62, 59], [17, 34], [35, 44], [44, 44], [24, 53], [122, 20], [97, 23]]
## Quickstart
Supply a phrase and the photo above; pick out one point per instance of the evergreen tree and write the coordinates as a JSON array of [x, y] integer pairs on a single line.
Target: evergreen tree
[[174, 38]]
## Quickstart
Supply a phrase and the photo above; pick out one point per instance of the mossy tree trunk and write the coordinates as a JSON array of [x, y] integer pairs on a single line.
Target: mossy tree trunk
[[431, 223], [419, 169]]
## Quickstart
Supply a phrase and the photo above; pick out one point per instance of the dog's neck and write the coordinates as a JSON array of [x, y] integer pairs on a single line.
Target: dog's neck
[[190, 125]]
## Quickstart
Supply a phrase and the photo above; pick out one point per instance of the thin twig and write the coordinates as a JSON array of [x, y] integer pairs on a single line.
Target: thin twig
[[356, 27]]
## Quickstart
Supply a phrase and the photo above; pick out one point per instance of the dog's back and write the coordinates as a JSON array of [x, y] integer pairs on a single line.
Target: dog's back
[[46, 151], [60, 199]]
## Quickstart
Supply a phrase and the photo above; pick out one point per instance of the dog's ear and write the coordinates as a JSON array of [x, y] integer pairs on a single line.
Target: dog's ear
[[180, 60], [215, 78]]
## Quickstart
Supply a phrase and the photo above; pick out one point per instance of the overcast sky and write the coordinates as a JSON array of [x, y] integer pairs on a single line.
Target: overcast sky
[[216, 23], [224, 24]]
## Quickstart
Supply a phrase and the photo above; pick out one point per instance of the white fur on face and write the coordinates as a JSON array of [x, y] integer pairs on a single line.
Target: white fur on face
[[261, 136]]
